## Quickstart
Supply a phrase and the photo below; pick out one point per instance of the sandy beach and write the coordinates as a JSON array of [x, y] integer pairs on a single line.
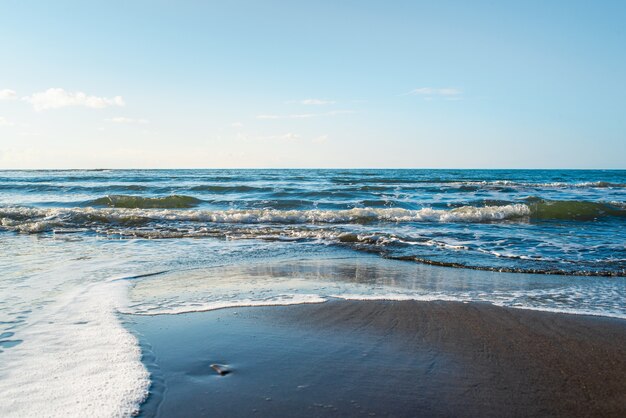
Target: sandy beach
[[383, 358]]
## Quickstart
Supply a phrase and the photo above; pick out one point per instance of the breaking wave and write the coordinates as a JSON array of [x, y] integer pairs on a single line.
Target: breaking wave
[[133, 210], [124, 212]]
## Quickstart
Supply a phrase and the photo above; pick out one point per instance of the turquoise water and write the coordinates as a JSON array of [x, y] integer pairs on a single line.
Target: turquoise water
[[79, 247]]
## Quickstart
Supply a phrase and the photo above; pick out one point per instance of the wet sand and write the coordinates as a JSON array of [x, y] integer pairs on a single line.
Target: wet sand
[[383, 358]]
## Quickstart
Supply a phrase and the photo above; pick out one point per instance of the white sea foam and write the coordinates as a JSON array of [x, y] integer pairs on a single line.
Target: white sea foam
[[397, 297], [69, 353], [75, 360], [279, 300]]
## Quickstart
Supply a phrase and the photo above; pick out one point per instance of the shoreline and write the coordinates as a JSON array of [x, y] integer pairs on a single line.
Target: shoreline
[[390, 358]]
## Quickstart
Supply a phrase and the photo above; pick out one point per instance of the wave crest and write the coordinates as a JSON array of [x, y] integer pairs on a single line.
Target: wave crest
[[575, 210], [139, 202]]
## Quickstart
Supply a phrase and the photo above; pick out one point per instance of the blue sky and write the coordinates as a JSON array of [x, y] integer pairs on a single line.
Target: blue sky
[[312, 84]]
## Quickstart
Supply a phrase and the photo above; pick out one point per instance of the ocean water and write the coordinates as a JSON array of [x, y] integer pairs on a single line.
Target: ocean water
[[80, 248], [565, 222]]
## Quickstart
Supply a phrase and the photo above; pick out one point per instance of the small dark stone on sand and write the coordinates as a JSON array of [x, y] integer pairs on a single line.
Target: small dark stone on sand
[[219, 369]]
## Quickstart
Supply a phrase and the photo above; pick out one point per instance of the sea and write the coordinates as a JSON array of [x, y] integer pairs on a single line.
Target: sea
[[82, 251]]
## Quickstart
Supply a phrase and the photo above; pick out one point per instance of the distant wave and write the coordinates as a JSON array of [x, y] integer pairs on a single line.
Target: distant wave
[[376, 183], [556, 184], [72, 188]]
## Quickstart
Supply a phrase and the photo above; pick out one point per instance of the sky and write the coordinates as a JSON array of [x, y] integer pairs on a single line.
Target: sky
[[325, 83]]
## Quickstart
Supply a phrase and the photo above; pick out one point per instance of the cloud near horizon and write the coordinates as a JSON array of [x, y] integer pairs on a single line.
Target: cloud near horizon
[[8, 94], [55, 98], [4, 122]]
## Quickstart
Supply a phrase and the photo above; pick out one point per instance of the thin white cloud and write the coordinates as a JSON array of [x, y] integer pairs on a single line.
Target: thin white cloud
[[313, 102], [8, 94], [431, 91], [305, 115], [56, 98], [236, 125], [4, 122], [125, 120]]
